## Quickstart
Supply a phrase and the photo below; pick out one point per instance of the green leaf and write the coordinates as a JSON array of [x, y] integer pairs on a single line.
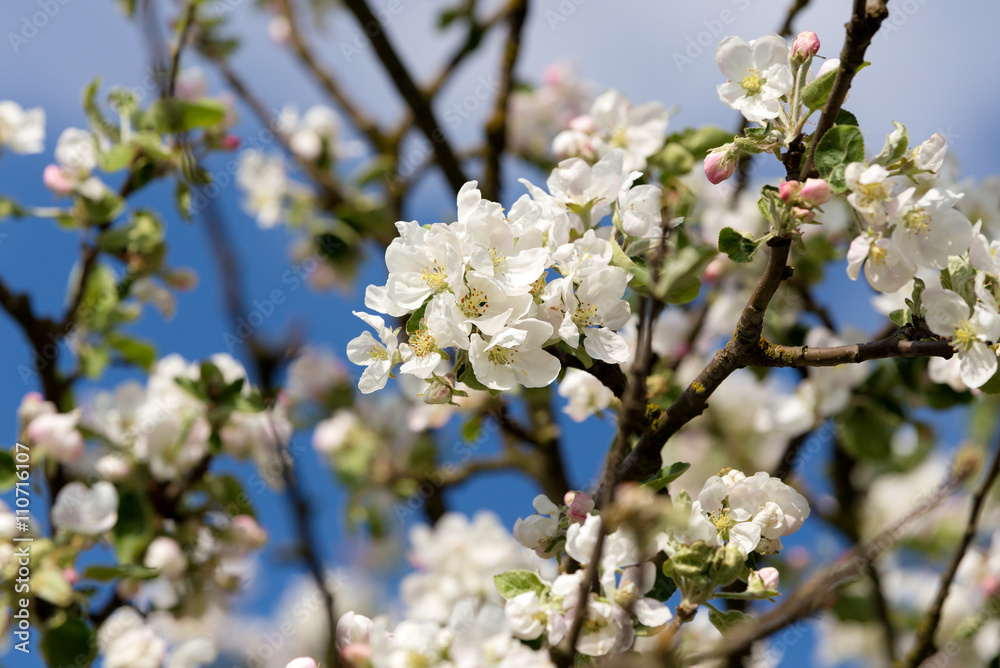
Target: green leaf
[[68, 643], [10, 209], [900, 316], [680, 277], [640, 276], [700, 140], [512, 583], [94, 360], [117, 157], [840, 146], [8, 471], [663, 586], [666, 475], [413, 323], [109, 573], [182, 198], [228, 492], [132, 350], [134, 528], [731, 622], [739, 246], [173, 115], [817, 92], [866, 432], [895, 146], [844, 117], [992, 386]]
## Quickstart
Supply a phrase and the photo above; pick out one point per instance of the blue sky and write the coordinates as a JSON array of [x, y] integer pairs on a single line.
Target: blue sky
[[931, 79]]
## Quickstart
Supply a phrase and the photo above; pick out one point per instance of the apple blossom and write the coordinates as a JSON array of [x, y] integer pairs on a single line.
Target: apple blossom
[[164, 554], [57, 435], [23, 130], [378, 357], [586, 394], [721, 162], [929, 229], [804, 45], [870, 191], [86, 510], [970, 329], [127, 642], [758, 75], [514, 356]]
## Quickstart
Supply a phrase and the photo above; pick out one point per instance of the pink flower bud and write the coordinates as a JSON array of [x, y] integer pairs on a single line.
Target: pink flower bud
[[769, 576], [55, 180], [788, 190], [805, 45], [247, 533], [804, 215], [579, 505], [584, 123], [814, 192], [357, 654], [71, 576], [230, 142], [720, 164], [554, 74]]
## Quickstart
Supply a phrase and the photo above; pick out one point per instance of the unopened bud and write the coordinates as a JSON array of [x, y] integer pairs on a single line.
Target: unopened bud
[[441, 390], [55, 180], [814, 192], [788, 190], [720, 164], [766, 579], [579, 505], [804, 46], [803, 215], [585, 124], [230, 142], [248, 533]]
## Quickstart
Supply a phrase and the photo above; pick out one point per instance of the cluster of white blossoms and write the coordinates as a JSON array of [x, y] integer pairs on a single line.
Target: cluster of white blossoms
[[919, 232], [499, 287], [22, 130]]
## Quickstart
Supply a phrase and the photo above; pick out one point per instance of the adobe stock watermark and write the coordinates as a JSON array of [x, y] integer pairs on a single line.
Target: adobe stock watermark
[[31, 24], [454, 116], [705, 40], [562, 12], [361, 39], [900, 14]]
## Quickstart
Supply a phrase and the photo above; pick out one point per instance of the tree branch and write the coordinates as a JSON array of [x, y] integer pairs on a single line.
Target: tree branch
[[772, 355], [924, 645], [865, 21], [423, 115], [496, 126]]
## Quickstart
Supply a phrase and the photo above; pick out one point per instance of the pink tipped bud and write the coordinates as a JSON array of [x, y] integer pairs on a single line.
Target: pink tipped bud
[[71, 576], [230, 142], [357, 654], [804, 46], [804, 215], [720, 164], [768, 578], [584, 123], [814, 192], [579, 505], [55, 180], [788, 190], [247, 533]]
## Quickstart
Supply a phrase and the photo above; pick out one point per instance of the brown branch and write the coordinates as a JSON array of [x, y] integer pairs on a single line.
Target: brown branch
[[328, 81], [496, 126], [41, 333], [423, 115], [772, 355], [644, 460], [865, 21], [609, 374], [793, 11], [924, 645]]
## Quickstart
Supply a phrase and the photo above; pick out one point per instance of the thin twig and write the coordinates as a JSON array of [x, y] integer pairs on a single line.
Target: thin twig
[[175, 61], [924, 645]]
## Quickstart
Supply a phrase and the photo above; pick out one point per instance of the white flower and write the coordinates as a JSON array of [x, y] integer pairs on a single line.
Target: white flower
[[57, 435], [588, 190], [265, 183], [949, 315], [332, 434], [596, 310], [587, 395], [983, 253], [535, 531], [870, 190], [422, 262], [514, 356], [525, 616], [318, 127], [127, 642], [758, 75], [165, 555], [22, 130], [886, 268], [76, 152], [193, 653], [352, 629], [929, 229], [929, 156], [378, 357], [639, 208], [581, 539], [86, 510]]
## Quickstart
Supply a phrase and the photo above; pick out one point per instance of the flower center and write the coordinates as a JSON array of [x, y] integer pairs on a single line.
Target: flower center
[[917, 221], [585, 315], [877, 254], [378, 353], [723, 522], [422, 343], [474, 304], [501, 355], [964, 337], [499, 259], [870, 193], [539, 285], [435, 276], [753, 83]]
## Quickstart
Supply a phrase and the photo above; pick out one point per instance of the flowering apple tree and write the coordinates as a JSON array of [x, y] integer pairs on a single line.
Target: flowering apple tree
[[620, 277]]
